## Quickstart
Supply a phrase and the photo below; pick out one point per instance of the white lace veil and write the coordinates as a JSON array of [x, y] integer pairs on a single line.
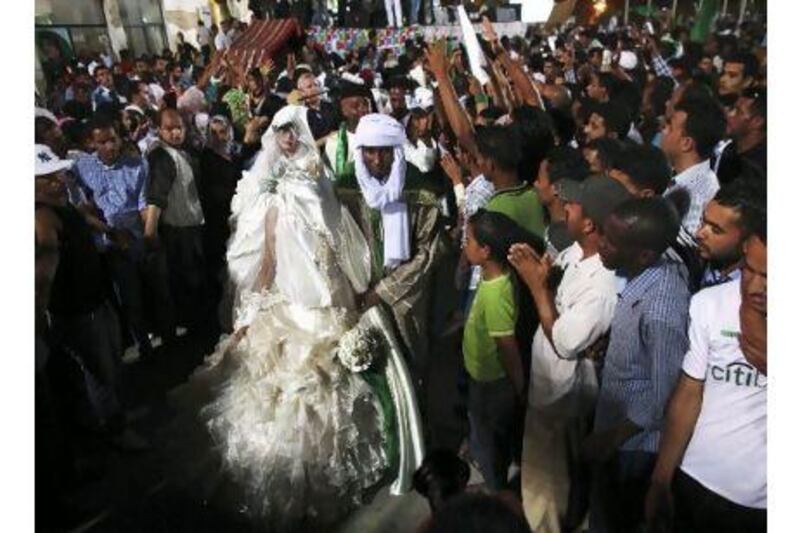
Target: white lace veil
[[248, 187], [257, 209]]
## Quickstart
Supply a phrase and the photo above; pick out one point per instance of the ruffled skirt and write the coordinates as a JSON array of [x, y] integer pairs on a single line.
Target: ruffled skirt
[[292, 438]]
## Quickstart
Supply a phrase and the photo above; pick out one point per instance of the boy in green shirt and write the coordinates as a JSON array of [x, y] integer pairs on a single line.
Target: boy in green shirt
[[491, 355]]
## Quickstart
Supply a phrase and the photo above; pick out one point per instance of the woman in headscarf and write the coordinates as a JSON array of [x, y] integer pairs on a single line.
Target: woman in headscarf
[[220, 169], [301, 433]]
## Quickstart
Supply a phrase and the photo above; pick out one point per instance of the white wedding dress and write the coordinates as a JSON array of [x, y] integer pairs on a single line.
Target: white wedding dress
[[296, 438]]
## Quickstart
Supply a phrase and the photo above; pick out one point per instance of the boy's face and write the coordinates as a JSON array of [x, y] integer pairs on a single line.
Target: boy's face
[[473, 251]]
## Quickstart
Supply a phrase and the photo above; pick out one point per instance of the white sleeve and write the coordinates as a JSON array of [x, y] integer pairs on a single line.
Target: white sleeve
[[459, 191], [695, 362], [579, 326]]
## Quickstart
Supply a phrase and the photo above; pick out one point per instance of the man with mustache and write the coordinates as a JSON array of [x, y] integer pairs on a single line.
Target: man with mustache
[[726, 224], [711, 470]]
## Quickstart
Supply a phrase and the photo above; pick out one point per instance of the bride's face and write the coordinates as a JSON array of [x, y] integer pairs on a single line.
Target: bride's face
[[287, 140]]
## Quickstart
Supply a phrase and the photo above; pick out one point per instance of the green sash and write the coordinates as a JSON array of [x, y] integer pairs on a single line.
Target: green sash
[[345, 171]]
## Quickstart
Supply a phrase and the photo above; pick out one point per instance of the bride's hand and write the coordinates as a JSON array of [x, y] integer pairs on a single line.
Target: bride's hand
[[236, 338]]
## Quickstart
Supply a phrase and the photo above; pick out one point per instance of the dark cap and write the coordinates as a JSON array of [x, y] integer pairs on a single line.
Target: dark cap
[[348, 89], [598, 196]]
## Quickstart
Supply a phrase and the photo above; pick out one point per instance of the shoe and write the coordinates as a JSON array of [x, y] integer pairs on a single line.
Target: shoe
[[180, 332], [155, 342], [130, 441], [131, 355]]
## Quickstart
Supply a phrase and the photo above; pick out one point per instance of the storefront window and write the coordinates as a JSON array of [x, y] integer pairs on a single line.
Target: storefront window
[[62, 13], [137, 12], [89, 40]]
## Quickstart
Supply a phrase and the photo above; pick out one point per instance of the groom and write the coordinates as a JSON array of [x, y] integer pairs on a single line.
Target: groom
[[398, 211]]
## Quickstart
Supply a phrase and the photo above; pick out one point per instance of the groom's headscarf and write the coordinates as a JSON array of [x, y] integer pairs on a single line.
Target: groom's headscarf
[[373, 131]]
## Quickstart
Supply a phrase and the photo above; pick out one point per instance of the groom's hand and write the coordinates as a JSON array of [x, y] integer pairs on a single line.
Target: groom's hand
[[370, 299]]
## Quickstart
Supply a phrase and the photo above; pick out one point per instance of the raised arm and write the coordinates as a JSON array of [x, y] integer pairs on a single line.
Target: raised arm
[[523, 87], [456, 116]]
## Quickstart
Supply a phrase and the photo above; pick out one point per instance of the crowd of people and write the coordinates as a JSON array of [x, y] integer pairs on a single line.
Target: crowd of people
[[592, 219]]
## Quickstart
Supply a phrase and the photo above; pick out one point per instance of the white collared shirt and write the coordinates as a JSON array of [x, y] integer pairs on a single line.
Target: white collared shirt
[[727, 453], [701, 183], [585, 301]]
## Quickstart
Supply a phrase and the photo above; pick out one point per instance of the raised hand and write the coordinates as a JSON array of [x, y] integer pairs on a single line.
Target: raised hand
[[436, 54], [267, 66], [452, 169], [488, 30], [474, 86]]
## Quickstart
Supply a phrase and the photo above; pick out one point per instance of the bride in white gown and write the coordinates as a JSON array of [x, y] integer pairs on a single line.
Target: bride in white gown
[[298, 436]]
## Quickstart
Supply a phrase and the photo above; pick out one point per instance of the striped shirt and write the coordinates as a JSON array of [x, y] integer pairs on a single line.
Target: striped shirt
[[701, 183], [646, 348], [117, 190], [661, 67], [476, 195]]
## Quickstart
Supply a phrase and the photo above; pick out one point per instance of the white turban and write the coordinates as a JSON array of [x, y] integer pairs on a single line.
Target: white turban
[[378, 130]]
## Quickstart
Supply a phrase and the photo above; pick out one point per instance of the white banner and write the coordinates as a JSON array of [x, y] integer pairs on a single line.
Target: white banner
[[474, 52]]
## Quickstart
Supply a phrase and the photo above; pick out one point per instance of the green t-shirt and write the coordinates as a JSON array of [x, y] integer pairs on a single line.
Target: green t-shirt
[[493, 314], [520, 204]]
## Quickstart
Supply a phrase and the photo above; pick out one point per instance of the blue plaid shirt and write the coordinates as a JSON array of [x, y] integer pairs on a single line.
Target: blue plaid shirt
[[645, 351], [118, 191], [661, 67]]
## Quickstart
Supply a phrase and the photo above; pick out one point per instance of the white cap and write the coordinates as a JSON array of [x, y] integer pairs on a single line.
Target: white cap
[[135, 108], [42, 112], [628, 60], [352, 78], [422, 99], [47, 162]]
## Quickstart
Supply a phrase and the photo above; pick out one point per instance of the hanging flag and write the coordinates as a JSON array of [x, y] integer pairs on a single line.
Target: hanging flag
[[703, 20]]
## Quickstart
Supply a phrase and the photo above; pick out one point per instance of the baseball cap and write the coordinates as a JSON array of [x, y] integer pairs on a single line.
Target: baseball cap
[[47, 162], [422, 99], [598, 196]]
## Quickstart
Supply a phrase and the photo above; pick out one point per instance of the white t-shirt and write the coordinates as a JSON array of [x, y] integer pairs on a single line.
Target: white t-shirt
[[585, 301], [221, 41], [203, 35], [728, 450]]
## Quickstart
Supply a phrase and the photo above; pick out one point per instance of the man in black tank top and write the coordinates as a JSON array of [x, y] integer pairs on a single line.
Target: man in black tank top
[[83, 323], [174, 221]]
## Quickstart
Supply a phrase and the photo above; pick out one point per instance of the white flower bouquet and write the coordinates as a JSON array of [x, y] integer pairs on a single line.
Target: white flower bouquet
[[358, 348]]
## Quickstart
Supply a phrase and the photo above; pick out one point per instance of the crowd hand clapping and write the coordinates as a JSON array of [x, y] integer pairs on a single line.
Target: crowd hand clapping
[[452, 169], [533, 268]]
